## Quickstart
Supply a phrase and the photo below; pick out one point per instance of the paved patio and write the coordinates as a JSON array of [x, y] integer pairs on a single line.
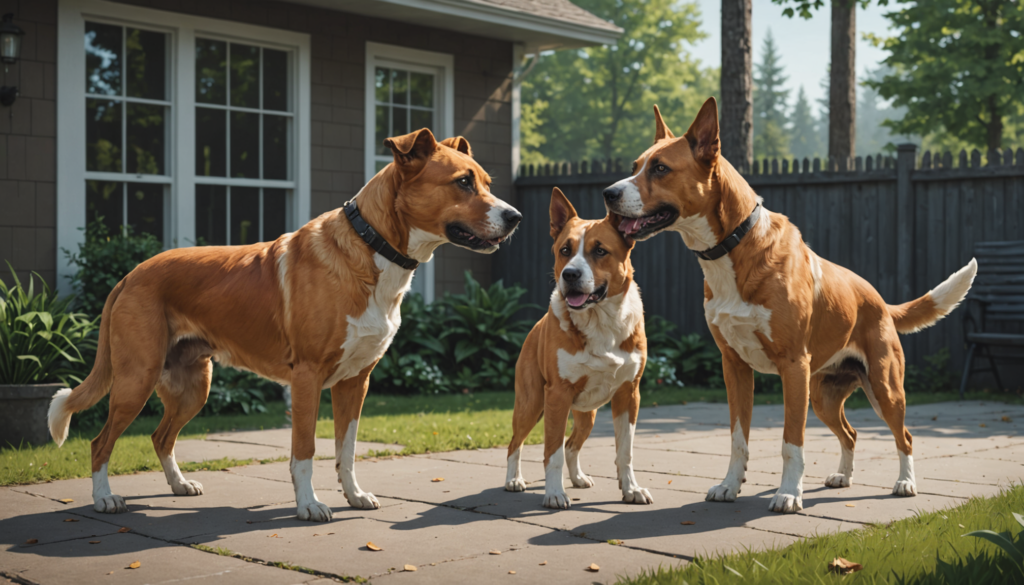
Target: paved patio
[[450, 531]]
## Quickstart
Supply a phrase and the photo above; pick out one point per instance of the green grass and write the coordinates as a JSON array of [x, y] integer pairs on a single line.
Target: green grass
[[421, 423], [924, 549]]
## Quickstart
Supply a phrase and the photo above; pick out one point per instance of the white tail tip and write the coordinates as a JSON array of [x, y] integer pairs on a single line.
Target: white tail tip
[[57, 418], [948, 295]]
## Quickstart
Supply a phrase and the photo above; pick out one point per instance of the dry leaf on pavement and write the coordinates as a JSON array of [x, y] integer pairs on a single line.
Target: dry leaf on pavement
[[410, 568], [511, 572], [123, 529], [94, 542], [851, 505], [32, 541], [593, 568], [135, 565], [70, 520], [842, 566], [495, 552], [544, 563], [437, 479], [373, 547], [687, 522], [66, 501]]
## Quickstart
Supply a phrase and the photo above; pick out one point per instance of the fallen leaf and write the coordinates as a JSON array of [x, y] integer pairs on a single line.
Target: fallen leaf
[[544, 563], [435, 432], [983, 425], [373, 547], [688, 523], [1007, 419], [123, 529], [32, 541], [670, 482], [248, 521], [66, 501], [410, 568], [593, 568], [94, 542], [70, 520], [135, 565], [851, 505], [495, 552], [575, 499], [274, 535], [842, 566], [110, 573], [511, 572], [437, 479], [615, 541], [329, 533], [433, 564]]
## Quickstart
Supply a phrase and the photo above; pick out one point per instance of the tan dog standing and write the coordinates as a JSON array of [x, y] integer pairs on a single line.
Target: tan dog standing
[[588, 349], [775, 307], [315, 309]]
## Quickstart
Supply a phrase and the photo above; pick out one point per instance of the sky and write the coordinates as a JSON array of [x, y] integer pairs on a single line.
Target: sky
[[805, 45]]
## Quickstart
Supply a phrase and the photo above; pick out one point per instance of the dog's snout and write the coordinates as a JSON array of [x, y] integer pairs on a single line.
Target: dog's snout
[[511, 217], [571, 274], [613, 194]]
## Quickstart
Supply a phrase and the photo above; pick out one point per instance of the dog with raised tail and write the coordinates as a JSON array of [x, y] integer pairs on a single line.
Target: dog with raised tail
[[775, 307], [588, 349], [315, 309]]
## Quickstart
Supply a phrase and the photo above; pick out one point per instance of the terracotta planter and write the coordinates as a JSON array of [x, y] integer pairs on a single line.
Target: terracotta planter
[[23, 413]]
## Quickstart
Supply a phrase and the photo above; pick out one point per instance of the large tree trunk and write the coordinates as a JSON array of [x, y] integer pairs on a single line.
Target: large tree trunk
[[737, 111], [842, 95]]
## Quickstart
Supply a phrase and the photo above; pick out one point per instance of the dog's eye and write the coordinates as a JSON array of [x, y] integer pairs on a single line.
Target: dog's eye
[[600, 252], [465, 181], [566, 251], [660, 169]]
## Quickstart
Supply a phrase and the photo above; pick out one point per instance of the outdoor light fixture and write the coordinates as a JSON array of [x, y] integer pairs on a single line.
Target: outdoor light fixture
[[10, 50]]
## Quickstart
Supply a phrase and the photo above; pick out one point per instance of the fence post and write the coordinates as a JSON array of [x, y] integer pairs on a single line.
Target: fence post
[[906, 157]]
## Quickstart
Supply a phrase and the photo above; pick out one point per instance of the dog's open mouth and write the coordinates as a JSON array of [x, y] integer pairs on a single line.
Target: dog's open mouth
[[578, 300], [640, 227], [461, 236]]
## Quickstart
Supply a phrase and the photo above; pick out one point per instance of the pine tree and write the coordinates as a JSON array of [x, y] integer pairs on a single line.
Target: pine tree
[[805, 141], [771, 137]]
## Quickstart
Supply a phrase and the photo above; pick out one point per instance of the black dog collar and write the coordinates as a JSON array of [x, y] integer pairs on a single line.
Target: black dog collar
[[734, 238], [371, 237]]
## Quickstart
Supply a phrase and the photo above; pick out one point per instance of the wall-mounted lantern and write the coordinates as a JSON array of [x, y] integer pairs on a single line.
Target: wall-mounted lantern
[[10, 51]]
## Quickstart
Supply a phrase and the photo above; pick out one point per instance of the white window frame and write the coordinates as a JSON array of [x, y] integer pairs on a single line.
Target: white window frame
[[183, 29], [443, 66]]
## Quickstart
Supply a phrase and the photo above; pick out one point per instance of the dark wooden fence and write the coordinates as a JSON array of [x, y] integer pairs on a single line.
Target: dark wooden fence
[[903, 223]]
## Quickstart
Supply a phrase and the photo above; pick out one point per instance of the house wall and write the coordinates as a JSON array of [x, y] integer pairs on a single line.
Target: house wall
[[483, 114]]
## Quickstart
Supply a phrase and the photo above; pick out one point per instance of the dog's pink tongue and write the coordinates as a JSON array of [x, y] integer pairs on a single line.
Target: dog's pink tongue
[[630, 226], [576, 299]]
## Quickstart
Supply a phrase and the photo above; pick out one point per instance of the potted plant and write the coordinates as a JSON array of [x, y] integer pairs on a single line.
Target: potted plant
[[41, 351]]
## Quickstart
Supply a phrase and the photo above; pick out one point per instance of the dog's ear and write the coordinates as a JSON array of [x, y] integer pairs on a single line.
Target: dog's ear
[[412, 149], [703, 134], [458, 143], [561, 211], [661, 130]]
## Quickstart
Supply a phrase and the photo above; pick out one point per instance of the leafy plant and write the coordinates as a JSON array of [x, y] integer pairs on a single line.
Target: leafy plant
[[41, 340], [1014, 547], [692, 359], [935, 376]]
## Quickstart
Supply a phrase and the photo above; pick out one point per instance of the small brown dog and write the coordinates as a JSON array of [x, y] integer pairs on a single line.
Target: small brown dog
[[588, 349]]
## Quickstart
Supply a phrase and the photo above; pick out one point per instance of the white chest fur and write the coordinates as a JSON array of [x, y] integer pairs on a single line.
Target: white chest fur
[[736, 319], [370, 334], [605, 326]]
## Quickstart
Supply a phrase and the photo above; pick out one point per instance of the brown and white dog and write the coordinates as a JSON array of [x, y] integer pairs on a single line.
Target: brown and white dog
[[315, 309], [588, 349], [775, 307]]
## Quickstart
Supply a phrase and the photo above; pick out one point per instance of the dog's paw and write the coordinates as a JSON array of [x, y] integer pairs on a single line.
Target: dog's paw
[[637, 495], [315, 512], [515, 485], [722, 493], [837, 480], [110, 505], [786, 503], [557, 501], [582, 481], [905, 489], [187, 488], [363, 501]]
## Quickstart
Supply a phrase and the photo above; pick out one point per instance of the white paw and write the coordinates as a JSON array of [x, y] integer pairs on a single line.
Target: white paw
[[315, 512], [583, 481], [838, 480], [722, 493], [786, 503], [637, 495], [515, 485], [904, 489], [187, 488], [363, 501], [558, 501], [110, 505]]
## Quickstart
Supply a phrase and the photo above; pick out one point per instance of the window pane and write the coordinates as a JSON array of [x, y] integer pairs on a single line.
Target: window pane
[[399, 87], [275, 147], [400, 123], [146, 65], [104, 201], [245, 215], [275, 213], [146, 139], [421, 119], [211, 68], [275, 80], [102, 135], [211, 215], [211, 147], [102, 58], [421, 89], [245, 76], [146, 209], [383, 129], [245, 144], [381, 77]]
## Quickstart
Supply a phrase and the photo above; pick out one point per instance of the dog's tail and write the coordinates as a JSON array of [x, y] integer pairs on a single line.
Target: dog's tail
[[96, 385], [936, 304]]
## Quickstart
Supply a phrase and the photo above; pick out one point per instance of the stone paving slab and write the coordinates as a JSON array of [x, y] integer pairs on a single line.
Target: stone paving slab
[[267, 444]]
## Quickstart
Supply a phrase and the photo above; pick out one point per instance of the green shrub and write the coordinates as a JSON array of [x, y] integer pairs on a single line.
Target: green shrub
[[935, 376], [41, 340], [683, 360]]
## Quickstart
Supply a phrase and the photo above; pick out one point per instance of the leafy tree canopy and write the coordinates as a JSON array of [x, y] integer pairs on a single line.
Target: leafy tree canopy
[[597, 102], [771, 137], [805, 8]]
